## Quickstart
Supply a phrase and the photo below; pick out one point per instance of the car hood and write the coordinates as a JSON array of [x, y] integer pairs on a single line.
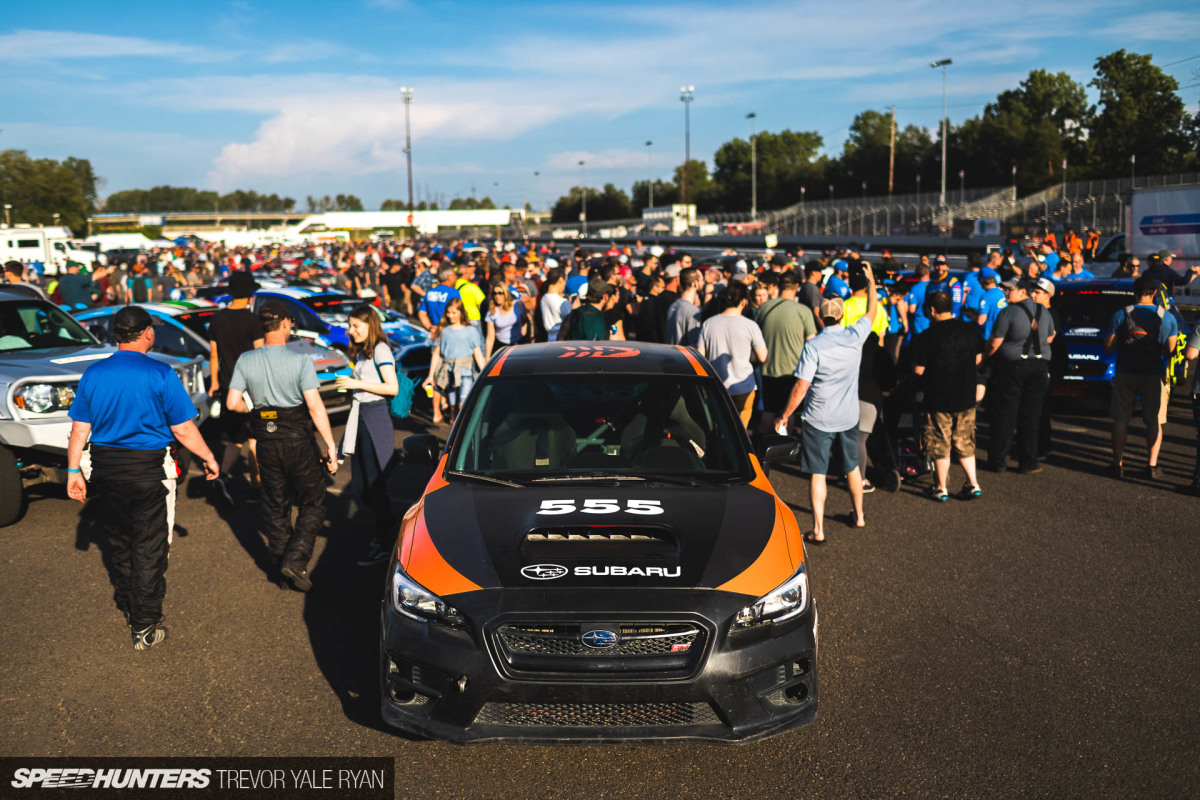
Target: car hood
[[466, 536], [51, 361]]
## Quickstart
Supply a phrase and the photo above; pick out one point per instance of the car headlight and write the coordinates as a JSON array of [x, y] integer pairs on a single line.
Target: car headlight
[[42, 398], [784, 602], [416, 602]]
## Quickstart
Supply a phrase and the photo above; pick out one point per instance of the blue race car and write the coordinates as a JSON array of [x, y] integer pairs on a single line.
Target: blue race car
[[1085, 309]]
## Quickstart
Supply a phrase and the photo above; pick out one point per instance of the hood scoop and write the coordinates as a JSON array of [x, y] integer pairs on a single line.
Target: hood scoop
[[599, 541]]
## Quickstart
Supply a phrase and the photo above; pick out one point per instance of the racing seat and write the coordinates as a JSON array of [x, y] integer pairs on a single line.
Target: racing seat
[[532, 437], [662, 420]]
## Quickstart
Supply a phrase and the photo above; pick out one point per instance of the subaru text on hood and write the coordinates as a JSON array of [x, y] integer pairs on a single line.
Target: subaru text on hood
[[599, 557]]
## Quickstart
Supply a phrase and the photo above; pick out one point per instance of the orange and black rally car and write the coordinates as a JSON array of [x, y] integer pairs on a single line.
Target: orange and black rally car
[[598, 556]]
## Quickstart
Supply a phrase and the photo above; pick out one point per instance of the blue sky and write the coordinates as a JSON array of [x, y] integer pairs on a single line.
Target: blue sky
[[303, 98]]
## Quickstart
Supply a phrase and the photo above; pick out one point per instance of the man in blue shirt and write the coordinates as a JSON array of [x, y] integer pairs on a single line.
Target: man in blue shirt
[[1049, 257], [971, 287], [1077, 271], [1142, 336], [991, 301], [836, 286], [940, 281], [914, 302], [433, 305], [827, 386], [133, 407]]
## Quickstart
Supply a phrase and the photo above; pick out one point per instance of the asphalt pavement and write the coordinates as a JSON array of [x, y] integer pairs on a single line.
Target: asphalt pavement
[[1042, 641]]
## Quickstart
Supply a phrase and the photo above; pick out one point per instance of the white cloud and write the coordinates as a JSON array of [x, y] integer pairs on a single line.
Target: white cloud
[[613, 158], [1157, 26], [30, 45]]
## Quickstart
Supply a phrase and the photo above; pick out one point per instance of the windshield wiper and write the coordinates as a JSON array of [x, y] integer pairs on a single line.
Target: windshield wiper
[[677, 480], [596, 477], [484, 478]]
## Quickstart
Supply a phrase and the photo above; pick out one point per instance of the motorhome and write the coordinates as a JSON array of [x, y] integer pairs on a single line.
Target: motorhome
[[47, 249]]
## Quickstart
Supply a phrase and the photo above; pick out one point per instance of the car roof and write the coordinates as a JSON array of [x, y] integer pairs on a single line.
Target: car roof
[[622, 358], [297, 292]]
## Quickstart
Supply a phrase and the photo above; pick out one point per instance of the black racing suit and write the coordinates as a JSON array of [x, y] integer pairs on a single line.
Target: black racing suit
[[137, 491], [289, 466]]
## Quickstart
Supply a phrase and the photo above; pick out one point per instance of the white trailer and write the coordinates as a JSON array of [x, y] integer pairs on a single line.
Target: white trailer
[[47, 249], [1165, 218]]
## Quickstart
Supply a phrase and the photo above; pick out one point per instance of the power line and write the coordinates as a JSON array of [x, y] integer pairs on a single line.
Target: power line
[[1180, 61]]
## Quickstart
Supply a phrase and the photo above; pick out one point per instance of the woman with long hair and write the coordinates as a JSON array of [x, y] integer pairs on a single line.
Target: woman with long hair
[[456, 359], [505, 320], [369, 440]]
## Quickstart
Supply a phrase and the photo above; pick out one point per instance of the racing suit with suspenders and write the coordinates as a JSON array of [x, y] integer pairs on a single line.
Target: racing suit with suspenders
[[289, 463], [1017, 393]]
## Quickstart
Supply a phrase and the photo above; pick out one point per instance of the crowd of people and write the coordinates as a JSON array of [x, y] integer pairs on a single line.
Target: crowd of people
[[837, 347]]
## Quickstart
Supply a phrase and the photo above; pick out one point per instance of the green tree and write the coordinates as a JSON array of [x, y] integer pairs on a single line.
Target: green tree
[[785, 162], [1140, 113], [37, 189], [602, 204]]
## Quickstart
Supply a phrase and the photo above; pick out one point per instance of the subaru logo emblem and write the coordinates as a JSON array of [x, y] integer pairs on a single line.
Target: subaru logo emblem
[[543, 572], [599, 637]]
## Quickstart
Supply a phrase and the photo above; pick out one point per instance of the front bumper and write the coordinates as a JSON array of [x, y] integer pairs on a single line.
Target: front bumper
[[461, 686]]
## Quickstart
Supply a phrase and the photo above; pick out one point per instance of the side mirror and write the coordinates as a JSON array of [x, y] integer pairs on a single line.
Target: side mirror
[[773, 448], [421, 448]]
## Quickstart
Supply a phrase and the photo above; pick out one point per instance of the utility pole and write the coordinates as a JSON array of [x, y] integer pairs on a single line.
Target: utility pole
[[583, 192], [892, 156], [649, 174], [687, 94], [943, 63], [753, 169], [406, 94]]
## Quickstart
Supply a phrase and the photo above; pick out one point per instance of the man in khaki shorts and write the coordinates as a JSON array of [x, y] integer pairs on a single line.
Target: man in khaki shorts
[[1142, 335]]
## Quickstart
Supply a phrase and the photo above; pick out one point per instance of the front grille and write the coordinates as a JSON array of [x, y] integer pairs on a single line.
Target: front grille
[[596, 715], [651, 639]]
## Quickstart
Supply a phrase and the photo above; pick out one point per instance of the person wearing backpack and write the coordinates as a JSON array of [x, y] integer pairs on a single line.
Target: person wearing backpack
[[140, 286], [369, 440], [1142, 335]]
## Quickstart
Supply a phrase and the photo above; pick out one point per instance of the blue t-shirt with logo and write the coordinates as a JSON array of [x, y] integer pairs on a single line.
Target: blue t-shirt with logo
[[435, 301], [131, 401], [952, 287], [991, 302], [918, 322]]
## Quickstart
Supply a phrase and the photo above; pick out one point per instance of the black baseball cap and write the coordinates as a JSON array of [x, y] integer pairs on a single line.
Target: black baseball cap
[[273, 311], [242, 285]]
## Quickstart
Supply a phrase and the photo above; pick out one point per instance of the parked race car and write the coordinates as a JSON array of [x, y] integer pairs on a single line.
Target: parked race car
[[1086, 308], [43, 354], [598, 556]]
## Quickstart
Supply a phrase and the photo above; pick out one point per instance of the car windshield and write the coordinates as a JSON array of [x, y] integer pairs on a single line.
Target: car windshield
[[1091, 308], [580, 426], [38, 325]]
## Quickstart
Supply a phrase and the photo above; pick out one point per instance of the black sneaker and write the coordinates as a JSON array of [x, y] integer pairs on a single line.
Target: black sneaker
[[375, 555], [1153, 472], [298, 577], [148, 637], [221, 485], [1116, 471]]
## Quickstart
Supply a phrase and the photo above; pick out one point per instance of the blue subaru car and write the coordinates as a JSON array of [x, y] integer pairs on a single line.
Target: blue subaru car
[[1085, 309]]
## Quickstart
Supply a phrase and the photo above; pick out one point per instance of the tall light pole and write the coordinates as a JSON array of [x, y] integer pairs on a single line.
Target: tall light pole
[[649, 174], [943, 63], [753, 169], [583, 192], [406, 94], [962, 185], [686, 94]]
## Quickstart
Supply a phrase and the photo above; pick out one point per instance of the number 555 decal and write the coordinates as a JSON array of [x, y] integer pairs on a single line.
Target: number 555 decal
[[646, 507]]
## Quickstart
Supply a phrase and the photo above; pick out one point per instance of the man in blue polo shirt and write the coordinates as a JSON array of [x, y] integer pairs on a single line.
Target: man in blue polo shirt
[[133, 407], [433, 305], [991, 302], [914, 302], [940, 281], [836, 286]]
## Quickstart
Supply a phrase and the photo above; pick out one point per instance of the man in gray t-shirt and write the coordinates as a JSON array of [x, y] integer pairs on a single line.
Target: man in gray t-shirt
[[287, 406]]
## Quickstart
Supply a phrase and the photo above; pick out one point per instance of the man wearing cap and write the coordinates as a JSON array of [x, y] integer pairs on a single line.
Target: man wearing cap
[[1143, 336], [132, 407], [991, 301], [1159, 268], [827, 386], [836, 286], [940, 281], [283, 387], [1020, 351], [232, 331]]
